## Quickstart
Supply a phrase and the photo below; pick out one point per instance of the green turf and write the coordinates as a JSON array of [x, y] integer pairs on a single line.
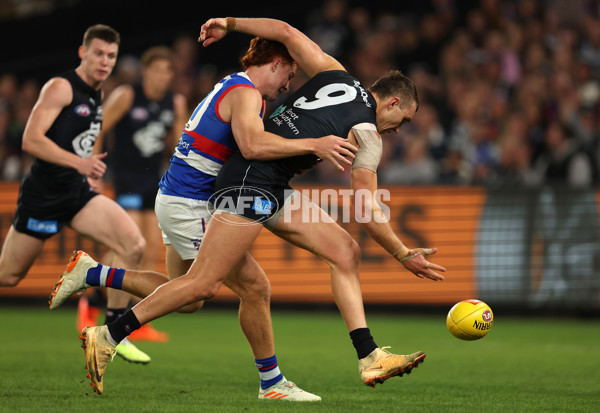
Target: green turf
[[523, 365]]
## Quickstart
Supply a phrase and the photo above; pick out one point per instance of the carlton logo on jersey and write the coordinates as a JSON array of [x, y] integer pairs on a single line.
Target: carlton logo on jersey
[[83, 110], [149, 139], [84, 142]]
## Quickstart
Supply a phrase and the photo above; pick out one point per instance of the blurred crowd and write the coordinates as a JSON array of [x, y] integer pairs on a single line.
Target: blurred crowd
[[509, 90]]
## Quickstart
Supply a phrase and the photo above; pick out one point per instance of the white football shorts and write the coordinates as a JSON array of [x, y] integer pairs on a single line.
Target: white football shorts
[[183, 222]]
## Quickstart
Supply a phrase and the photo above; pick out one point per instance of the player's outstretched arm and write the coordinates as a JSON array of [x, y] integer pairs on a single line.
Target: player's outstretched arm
[[55, 95], [309, 56], [375, 222]]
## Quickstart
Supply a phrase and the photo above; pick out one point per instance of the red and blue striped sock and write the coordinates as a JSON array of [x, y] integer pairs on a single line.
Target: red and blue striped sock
[[268, 369], [105, 276]]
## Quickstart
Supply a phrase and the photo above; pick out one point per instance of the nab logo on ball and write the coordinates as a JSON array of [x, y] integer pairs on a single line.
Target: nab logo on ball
[[470, 320]]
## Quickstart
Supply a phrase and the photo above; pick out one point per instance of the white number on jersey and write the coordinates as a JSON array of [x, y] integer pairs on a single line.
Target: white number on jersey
[[328, 95], [201, 108]]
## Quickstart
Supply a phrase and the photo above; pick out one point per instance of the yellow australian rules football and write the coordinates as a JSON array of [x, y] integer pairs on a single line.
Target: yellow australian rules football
[[470, 320]]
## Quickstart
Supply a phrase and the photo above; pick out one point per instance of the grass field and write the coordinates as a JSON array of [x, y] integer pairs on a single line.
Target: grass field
[[523, 365]]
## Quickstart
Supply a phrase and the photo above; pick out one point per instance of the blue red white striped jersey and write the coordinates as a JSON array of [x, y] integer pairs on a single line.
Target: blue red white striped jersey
[[205, 144]]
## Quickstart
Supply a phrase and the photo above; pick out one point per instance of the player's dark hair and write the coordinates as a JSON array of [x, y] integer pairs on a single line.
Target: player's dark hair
[[263, 51], [157, 53], [394, 83], [102, 32]]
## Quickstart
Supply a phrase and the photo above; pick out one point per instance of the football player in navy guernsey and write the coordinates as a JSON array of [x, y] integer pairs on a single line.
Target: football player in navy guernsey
[[331, 102], [60, 133]]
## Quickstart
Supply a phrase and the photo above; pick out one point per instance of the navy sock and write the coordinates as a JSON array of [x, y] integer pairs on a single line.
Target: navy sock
[[123, 326], [363, 342], [105, 276], [97, 299], [268, 369]]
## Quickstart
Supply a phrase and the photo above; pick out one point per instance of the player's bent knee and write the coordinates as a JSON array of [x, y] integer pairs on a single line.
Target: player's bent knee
[[10, 280], [131, 249], [355, 247], [204, 293], [135, 249], [347, 255], [250, 283], [191, 308], [139, 247], [258, 290], [11, 276]]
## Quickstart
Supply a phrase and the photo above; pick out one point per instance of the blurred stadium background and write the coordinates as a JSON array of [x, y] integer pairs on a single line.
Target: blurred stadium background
[[499, 169]]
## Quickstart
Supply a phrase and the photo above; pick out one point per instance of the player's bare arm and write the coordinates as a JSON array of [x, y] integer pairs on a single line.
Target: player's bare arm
[[180, 108], [242, 106], [116, 106], [374, 221], [55, 95], [309, 56]]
